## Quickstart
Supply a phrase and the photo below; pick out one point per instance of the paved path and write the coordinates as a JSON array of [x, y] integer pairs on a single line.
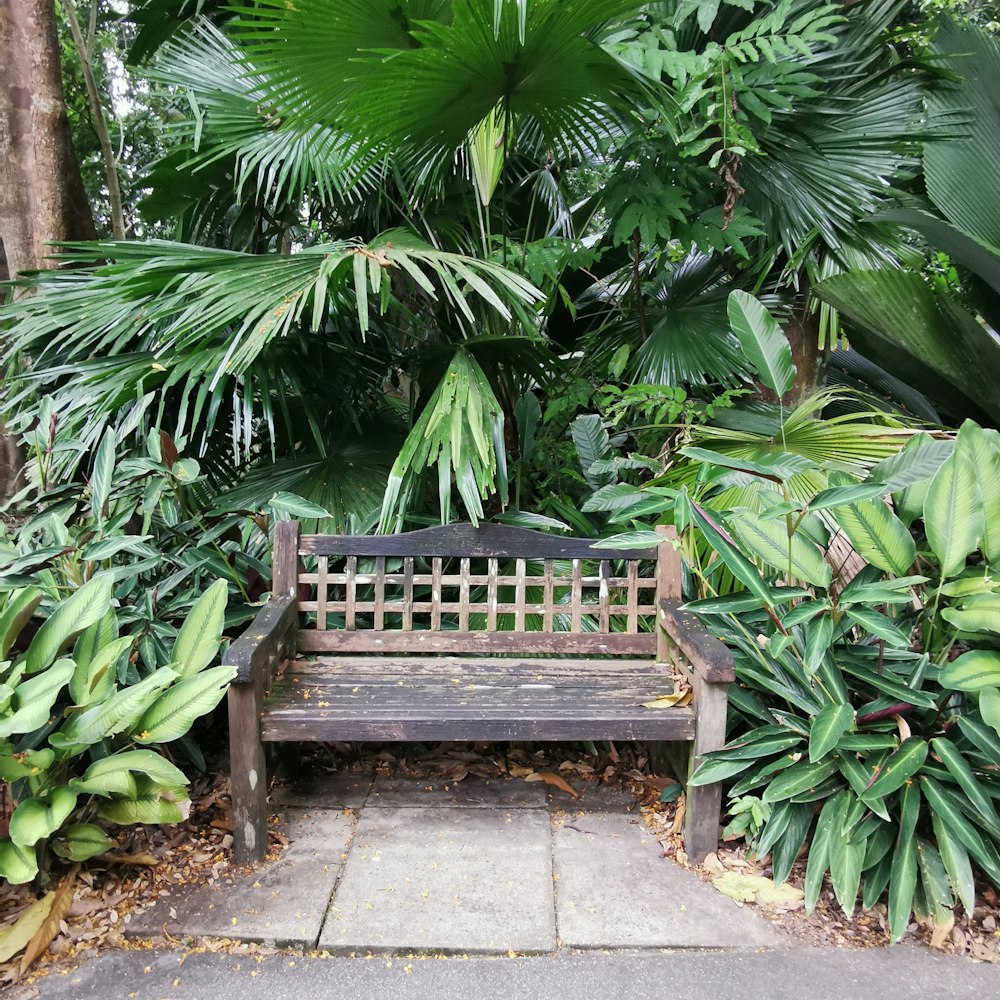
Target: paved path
[[419, 892], [476, 867]]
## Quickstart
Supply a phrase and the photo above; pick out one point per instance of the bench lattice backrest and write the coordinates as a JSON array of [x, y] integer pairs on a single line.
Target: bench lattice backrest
[[457, 588]]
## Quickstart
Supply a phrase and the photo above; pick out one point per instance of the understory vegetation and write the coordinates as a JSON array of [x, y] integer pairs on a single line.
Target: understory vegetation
[[593, 267]]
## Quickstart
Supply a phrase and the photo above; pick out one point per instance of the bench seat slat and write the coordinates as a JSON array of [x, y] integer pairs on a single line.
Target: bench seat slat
[[491, 700]]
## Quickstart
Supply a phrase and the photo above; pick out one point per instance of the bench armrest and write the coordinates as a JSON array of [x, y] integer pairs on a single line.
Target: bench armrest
[[710, 658], [265, 642]]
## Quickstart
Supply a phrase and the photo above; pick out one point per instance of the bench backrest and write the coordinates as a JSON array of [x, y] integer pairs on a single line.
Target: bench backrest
[[458, 588]]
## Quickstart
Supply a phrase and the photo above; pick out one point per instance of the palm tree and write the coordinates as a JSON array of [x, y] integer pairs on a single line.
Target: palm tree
[[373, 183]]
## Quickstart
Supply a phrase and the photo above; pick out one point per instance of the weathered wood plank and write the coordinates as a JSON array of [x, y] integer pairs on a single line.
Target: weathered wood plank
[[709, 657], [351, 592], [408, 594], [704, 802], [285, 559], [464, 597], [457, 540], [677, 724], [492, 597], [558, 643], [379, 606], [395, 668], [322, 592], [269, 638], [548, 598], [247, 773]]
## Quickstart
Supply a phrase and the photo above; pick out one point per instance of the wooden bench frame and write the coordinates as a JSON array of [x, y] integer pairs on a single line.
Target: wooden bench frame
[[275, 637]]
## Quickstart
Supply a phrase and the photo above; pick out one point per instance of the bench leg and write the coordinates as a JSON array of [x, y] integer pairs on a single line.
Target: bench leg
[[704, 802], [248, 775]]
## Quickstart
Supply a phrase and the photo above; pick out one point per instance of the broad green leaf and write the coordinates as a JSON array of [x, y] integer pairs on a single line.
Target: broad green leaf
[[174, 712], [711, 771], [819, 638], [790, 843], [769, 541], [982, 737], [886, 684], [801, 777], [36, 819], [95, 638], [827, 729], [839, 496], [81, 841], [18, 610], [735, 603], [877, 535], [199, 638], [830, 821], [984, 456], [977, 614], [879, 625], [95, 680], [33, 699], [779, 465], [956, 862], [944, 805], [846, 859], [755, 749], [972, 671], [120, 711], [153, 804], [916, 462], [953, 513], [959, 769], [296, 506], [902, 884], [763, 342], [17, 864], [989, 707], [100, 478], [642, 539], [738, 564], [79, 611], [104, 777], [934, 882], [898, 768], [27, 764]]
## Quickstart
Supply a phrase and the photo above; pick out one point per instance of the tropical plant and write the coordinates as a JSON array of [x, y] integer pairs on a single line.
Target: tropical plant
[[944, 340], [80, 728]]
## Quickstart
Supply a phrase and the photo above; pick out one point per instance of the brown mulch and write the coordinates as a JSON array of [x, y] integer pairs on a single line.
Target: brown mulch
[[149, 863]]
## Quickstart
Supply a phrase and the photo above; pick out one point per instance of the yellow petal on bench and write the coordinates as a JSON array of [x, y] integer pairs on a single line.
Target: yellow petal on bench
[[669, 700]]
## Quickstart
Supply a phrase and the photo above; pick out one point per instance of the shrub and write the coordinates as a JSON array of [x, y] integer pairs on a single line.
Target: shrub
[[81, 720], [867, 709]]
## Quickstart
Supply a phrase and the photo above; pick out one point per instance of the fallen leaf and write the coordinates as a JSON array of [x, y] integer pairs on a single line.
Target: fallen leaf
[[942, 931], [670, 700], [49, 929], [14, 937], [119, 858], [555, 780], [756, 889]]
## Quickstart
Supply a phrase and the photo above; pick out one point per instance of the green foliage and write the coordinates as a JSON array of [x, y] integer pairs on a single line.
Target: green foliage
[[89, 770], [853, 712]]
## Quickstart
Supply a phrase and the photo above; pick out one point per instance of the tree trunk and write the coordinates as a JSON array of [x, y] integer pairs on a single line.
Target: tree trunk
[[802, 331], [42, 199]]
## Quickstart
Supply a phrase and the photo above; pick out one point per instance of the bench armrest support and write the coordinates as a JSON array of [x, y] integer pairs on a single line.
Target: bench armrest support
[[268, 640], [710, 659]]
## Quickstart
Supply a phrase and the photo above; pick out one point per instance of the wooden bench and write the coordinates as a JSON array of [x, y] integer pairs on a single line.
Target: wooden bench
[[465, 633]]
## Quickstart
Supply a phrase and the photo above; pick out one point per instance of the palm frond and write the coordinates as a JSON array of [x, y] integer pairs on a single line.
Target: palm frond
[[425, 73], [281, 156]]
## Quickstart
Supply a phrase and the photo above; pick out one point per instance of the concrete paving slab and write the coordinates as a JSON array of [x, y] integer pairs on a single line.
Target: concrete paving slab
[[613, 890], [327, 791], [283, 903], [469, 793], [446, 880], [592, 797]]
